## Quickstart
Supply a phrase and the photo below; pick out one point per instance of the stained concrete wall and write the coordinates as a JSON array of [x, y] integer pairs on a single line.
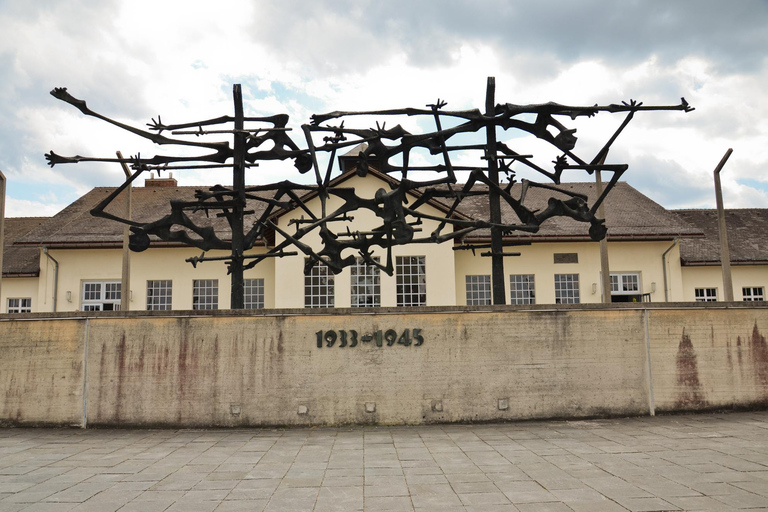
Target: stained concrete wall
[[475, 364]]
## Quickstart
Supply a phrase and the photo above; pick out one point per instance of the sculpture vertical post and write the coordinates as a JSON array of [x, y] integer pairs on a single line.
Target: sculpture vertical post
[[125, 282], [497, 248], [236, 217]]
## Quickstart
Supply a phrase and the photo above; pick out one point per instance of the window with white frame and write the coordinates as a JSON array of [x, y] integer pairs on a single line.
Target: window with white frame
[[705, 294], [753, 293], [625, 287], [366, 284], [101, 295], [411, 280], [205, 294], [625, 284], [522, 289], [478, 290], [159, 295], [567, 289], [253, 291], [19, 305], [319, 287]]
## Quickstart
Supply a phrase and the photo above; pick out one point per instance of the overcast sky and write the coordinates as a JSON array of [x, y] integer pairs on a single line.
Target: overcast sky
[[134, 59]]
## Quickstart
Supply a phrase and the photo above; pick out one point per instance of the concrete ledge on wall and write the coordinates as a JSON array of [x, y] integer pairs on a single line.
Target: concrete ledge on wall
[[380, 366]]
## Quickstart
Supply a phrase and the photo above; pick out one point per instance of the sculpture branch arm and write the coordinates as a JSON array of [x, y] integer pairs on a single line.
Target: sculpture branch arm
[[464, 114], [62, 94], [53, 159]]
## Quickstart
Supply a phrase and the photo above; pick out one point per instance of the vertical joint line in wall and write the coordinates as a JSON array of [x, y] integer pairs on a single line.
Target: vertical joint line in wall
[[651, 404], [85, 375]]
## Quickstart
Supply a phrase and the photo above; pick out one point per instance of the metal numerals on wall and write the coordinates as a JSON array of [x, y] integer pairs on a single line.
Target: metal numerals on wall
[[379, 338], [390, 151]]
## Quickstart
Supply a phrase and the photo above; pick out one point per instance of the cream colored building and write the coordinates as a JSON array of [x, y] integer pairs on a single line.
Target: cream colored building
[[700, 258], [78, 260]]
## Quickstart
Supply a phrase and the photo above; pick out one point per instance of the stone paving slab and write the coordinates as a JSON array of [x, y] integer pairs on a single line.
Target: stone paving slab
[[706, 462]]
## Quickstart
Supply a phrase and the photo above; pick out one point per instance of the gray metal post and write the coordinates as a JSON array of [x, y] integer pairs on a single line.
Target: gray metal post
[[2, 231], [605, 276], [725, 256]]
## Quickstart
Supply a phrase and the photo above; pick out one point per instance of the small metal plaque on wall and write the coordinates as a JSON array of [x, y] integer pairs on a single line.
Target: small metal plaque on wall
[[566, 257]]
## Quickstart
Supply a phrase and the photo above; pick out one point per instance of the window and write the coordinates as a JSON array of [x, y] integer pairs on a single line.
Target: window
[[411, 280], [625, 287], [319, 287], [253, 290], [753, 293], [705, 294], [366, 285], [567, 288], [101, 295], [522, 289], [478, 290], [19, 305], [159, 295], [205, 294]]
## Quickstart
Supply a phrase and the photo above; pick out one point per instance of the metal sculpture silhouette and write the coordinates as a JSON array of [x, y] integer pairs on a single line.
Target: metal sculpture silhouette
[[388, 151]]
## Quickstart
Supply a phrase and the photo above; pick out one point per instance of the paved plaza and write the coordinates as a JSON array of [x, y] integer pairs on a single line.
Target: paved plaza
[[682, 462]]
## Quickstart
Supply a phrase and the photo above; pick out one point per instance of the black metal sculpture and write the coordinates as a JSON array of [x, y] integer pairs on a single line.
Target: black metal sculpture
[[390, 150]]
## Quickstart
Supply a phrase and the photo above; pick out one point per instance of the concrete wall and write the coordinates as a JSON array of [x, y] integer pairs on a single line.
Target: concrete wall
[[475, 364]]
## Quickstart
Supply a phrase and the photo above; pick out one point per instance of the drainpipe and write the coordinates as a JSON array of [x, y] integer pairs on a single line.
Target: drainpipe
[[664, 268], [55, 277]]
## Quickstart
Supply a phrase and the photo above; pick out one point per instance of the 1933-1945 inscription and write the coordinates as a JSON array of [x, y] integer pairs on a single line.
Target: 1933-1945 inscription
[[350, 339]]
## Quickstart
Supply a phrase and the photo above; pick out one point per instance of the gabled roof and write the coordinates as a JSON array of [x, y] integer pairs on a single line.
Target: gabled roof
[[629, 215], [351, 172], [747, 230], [74, 226], [18, 260]]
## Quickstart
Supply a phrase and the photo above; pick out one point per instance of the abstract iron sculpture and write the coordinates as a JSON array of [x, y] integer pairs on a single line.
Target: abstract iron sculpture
[[390, 149]]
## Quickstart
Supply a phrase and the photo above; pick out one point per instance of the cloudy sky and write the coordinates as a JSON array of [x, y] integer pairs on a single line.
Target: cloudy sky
[[134, 59]]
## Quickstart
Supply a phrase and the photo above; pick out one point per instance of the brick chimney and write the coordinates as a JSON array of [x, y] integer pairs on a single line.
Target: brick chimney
[[170, 181]]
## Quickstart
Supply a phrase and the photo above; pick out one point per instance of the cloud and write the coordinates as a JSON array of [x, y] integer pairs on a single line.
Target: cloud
[[314, 33], [135, 60]]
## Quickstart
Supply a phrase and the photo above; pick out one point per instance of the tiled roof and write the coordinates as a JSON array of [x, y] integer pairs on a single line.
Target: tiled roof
[[75, 226], [19, 259], [629, 215], [747, 229]]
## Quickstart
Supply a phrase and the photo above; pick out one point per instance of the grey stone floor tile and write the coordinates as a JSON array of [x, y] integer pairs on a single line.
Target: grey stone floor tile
[[646, 504], [339, 499], [602, 505], [742, 499], [543, 507], [388, 503], [193, 506], [343, 481], [241, 506], [49, 507], [714, 462], [484, 499], [437, 501]]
